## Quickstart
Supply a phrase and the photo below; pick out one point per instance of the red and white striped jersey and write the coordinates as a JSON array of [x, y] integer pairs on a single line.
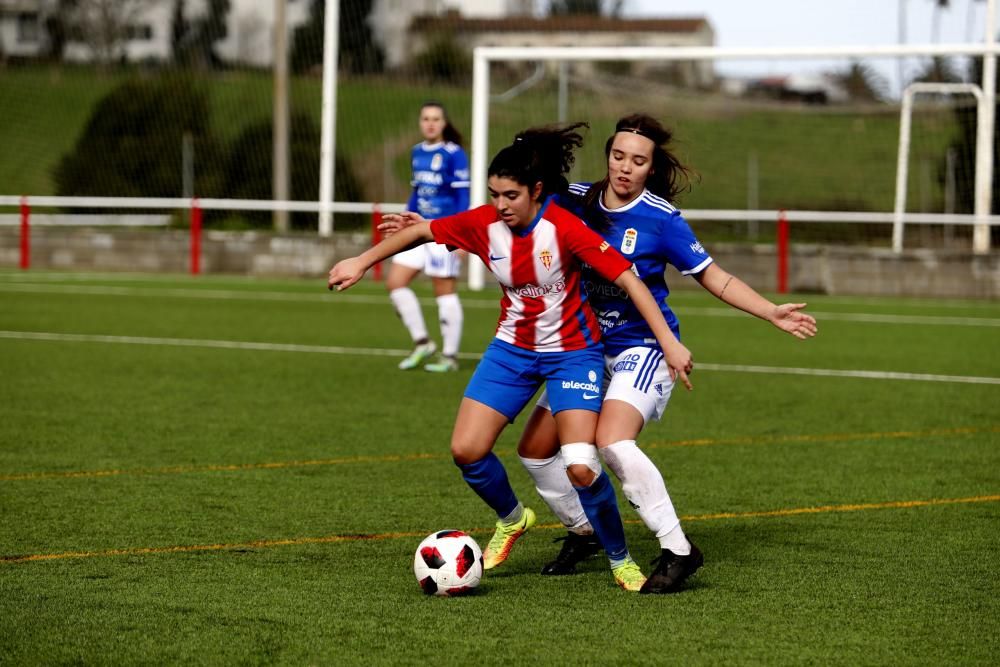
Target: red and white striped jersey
[[543, 306]]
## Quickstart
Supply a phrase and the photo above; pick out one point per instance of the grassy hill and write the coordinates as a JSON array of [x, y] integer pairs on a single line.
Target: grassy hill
[[806, 158]]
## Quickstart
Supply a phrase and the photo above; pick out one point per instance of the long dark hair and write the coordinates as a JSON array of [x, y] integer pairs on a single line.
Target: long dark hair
[[669, 178], [540, 155], [450, 132]]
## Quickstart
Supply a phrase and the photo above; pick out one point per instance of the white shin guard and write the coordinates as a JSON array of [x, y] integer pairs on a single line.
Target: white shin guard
[[643, 485], [558, 493]]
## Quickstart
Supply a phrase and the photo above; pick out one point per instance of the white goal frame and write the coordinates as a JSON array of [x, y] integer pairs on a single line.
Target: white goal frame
[[483, 56]]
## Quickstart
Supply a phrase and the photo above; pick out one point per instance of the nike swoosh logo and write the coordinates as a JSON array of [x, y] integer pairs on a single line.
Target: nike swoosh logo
[[587, 397], [496, 259]]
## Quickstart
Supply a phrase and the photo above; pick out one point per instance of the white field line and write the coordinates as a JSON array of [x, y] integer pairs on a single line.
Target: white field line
[[373, 299], [386, 352]]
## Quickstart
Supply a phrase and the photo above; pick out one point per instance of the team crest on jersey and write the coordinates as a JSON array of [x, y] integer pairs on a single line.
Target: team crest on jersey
[[546, 258], [436, 162], [628, 241]]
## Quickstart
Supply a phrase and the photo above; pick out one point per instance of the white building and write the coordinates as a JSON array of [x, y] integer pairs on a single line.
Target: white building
[[390, 20], [249, 39]]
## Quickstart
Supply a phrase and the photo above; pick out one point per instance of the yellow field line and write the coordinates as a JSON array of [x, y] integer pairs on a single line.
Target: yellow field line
[[394, 458], [331, 539], [823, 437]]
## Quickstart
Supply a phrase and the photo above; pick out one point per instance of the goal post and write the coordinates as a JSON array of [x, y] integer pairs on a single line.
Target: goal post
[[483, 57], [905, 128]]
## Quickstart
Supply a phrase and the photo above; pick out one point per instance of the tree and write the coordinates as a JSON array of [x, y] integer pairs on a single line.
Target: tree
[[132, 143], [104, 24], [862, 82], [357, 52], [179, 30]]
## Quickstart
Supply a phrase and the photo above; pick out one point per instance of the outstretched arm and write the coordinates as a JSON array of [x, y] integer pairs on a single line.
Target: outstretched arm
[[678, 357], [349, 271], [727, 287]]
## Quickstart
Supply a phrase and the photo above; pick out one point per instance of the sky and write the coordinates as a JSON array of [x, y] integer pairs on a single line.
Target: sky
[[760, 23]]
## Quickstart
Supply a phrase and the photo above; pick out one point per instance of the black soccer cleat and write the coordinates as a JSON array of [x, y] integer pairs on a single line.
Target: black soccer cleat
[[672, 570], [575, 548]]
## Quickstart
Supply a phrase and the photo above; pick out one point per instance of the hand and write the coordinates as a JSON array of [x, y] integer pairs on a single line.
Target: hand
[[345, 273], [680, 363], [788, 318], [393, 222]]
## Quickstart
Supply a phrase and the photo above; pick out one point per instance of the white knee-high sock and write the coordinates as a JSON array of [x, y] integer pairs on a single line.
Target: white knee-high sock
[[557, 491], [450, 315], [408, 309], [643, 485]]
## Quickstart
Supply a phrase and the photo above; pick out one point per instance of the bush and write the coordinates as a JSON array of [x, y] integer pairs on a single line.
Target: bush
[[444, 60], [132, 144], [249, 169]]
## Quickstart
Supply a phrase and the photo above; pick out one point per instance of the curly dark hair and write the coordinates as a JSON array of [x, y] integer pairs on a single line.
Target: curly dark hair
[[540, 155]]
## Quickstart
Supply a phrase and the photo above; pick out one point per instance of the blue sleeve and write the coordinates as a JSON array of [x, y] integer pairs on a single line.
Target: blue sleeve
[[681, 247], [411, 203], [460, 179]]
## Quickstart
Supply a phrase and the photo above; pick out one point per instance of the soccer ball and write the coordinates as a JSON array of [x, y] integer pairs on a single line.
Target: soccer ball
[[448, 563]]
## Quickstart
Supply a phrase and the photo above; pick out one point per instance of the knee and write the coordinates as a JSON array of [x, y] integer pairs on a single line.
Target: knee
[[582, 464], [580, 475]]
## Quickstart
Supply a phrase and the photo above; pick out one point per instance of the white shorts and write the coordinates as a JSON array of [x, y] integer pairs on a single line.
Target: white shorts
[[638, 376], [434, 259]]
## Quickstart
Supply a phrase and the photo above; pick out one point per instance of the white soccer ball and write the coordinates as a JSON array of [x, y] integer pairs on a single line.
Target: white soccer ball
[[448, 563]]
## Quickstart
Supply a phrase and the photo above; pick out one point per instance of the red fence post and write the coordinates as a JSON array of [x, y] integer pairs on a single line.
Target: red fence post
[[195, 237], [25, 234], [376, 237], [782, 252]]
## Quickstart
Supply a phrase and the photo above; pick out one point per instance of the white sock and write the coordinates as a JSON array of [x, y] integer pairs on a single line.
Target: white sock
[[408, 309], [643, 485], [450, 315], [557, 491]]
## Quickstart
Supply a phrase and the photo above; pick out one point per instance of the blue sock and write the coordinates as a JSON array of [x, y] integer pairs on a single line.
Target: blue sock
[[488, 478], [601, 507]]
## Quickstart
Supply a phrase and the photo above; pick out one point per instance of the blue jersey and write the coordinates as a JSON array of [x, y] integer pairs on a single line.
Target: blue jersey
[[649, 232], [440, 180]]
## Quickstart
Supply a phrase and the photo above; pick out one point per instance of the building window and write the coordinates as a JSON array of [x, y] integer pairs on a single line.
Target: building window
[[27, 28], [139, 33]]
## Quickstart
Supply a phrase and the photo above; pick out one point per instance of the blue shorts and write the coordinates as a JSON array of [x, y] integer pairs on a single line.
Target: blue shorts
[[508, 376]]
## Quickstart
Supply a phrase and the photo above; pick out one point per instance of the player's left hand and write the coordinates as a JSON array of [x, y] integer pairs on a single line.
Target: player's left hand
[[393, 222], [345, 273], [789, 318]]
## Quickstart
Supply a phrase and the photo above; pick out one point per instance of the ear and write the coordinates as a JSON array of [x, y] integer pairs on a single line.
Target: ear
[[536, 191]]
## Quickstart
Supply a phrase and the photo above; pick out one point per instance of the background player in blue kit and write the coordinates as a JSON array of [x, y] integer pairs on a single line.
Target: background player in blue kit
[[630, 207], [546, 334], [440, 182]]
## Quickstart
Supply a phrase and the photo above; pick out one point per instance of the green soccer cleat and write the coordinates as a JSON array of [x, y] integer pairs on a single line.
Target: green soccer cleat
[[419, 355], [504, 538], [628, 576], [442, 365]]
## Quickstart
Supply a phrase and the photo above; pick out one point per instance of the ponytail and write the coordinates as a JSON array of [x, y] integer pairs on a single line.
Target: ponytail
[[540, 155]]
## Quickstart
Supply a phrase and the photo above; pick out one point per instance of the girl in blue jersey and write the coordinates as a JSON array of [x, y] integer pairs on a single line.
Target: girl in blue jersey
[[440, 187], [546, 334], [631, 209]]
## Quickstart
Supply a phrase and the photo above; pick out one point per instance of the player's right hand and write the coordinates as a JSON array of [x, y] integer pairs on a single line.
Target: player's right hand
[[345, 273]]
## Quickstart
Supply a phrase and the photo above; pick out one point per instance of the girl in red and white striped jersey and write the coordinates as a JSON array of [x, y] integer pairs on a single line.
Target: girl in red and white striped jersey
[[546, 334]]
